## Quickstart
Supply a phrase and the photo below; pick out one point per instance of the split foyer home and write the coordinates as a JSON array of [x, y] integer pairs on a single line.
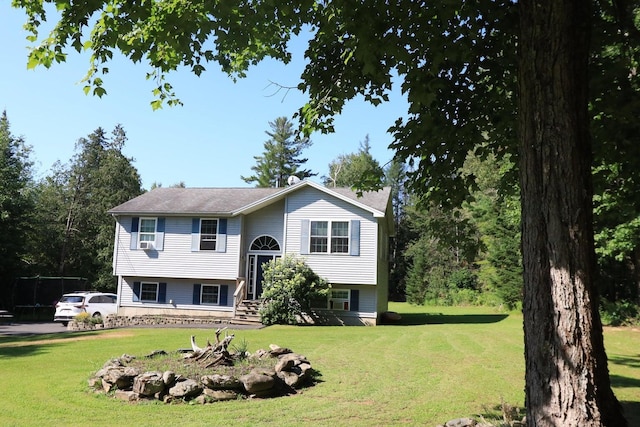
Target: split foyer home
[[200, 251]]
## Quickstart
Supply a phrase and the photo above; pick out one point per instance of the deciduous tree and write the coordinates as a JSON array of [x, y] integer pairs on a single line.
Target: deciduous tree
[[77, 233], [355, 170], [16, 208], [460, 65]]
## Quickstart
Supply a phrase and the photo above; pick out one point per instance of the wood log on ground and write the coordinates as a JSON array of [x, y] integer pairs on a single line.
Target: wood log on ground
[[213, 354]]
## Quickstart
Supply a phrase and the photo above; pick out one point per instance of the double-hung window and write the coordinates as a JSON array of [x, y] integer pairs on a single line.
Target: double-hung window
[[210, 294], [329, 237], [318, 236], [208, 234], [149, 292], [147, 232], [339, 237]]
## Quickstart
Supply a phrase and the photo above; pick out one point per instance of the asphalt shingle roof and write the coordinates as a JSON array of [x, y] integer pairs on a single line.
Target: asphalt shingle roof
[[185, 201]]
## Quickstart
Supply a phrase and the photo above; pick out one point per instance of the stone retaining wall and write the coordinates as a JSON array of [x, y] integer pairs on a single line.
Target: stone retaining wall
[[114, 321]]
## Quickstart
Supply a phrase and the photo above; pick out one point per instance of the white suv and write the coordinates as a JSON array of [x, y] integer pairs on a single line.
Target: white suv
[[94, 303]]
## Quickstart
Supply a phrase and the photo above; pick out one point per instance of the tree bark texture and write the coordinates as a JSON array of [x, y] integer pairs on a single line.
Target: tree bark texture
[[567, 378]]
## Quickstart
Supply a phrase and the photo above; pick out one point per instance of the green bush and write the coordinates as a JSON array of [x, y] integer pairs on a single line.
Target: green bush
[[437, 286], [463, 278], [289, 287], [617, 313], [465, 297], [83, 317]]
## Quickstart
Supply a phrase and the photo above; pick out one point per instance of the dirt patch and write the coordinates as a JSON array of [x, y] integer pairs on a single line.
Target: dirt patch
[[119, 334]]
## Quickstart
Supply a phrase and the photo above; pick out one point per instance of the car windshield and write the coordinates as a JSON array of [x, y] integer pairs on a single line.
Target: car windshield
[[71, 298]]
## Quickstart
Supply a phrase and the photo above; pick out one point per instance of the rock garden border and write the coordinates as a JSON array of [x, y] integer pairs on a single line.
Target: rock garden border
[[125, 380]]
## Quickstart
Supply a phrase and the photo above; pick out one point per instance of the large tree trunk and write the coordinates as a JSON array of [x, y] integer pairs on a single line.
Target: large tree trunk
[[567, 379]]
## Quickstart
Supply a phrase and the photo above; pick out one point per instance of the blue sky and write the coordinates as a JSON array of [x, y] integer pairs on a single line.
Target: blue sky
[[208, 142]]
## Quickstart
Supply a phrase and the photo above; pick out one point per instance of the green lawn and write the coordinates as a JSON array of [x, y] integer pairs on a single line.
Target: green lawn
[[441, 363]]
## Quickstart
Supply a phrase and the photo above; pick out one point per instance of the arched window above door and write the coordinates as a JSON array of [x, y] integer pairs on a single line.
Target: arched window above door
[[265, 243]]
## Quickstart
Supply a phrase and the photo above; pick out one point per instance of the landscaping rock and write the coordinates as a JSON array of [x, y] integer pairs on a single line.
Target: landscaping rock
[[220, 395], [462, 422], [290, 360], [276, 350], [156, 353], [126, 395], [169, 378], [120, 377], [257, 382], [291, 379], [95, 382], [148, 384], [221, 382], [201, 399], [185, 389]]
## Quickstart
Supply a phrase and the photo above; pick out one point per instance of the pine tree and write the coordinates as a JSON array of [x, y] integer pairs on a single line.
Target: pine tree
[[281, 157]]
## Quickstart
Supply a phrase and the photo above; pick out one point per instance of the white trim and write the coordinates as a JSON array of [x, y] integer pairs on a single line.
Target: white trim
[[251, 207], [157, 285], [217, 220], [329, 237], [267, 251], [202, 285], [141, 233], [114, 258]]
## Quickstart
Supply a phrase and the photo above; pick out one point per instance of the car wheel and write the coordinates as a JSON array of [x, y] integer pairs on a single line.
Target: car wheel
[[97, 314], [64, 324]]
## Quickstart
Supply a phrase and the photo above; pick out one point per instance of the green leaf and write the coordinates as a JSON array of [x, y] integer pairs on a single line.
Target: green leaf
[[32, 61], [99, 91]]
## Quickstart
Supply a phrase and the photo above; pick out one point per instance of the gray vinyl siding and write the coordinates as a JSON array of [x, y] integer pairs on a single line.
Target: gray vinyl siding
[[312, 204], [176, 259], [180, 291], [267, 221], [367, 297]]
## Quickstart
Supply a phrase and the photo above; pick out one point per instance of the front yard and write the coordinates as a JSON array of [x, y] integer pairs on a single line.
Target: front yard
[[440, 363]]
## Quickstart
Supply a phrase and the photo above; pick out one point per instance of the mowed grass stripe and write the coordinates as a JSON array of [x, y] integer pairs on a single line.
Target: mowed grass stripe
[[443, 363]]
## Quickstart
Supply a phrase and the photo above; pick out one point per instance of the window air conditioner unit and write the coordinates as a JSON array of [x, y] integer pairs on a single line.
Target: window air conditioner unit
[[146, 245]]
